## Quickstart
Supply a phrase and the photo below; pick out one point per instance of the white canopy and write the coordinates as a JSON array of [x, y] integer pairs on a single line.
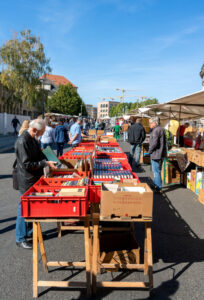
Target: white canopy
[[187, 107]]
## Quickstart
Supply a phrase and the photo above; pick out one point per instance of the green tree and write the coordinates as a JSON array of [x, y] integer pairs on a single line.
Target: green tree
[[23, 62], [66, 100], [121, 108]]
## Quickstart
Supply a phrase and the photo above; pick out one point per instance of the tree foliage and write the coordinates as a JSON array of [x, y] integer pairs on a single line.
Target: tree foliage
[[125, 107], [23, 62], [66, 100]]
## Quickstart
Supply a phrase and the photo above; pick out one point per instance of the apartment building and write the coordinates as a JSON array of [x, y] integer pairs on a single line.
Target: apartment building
[[91, 111], [104, 107]]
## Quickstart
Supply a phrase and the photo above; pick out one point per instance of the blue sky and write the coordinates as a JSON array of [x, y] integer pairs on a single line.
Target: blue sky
[[155, 47]]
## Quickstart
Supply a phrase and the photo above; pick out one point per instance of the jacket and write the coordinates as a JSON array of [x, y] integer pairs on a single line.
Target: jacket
[[157, 143], [30, 161], [61, 134], [136, 134]]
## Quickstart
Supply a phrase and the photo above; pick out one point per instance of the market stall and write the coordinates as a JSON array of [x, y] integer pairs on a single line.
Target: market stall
[[189, 108], [78, 191]]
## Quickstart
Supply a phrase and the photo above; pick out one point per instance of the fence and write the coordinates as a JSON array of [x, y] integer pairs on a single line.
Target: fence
[[5, 122]]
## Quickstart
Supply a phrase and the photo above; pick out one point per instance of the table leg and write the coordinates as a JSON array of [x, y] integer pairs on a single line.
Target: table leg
[[59, 230], [95, 251], [35, 260], [145, 251], [42, 248], [149, 255], [87, 253]]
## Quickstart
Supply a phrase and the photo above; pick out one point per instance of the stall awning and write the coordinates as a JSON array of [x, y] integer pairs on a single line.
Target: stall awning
[[187, 107]]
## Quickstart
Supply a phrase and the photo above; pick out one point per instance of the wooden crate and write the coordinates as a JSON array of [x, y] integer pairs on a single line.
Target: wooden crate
[[173, 175]]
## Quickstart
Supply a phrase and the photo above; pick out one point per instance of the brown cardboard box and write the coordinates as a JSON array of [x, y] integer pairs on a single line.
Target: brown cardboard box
[[70, 163], [78, 192], [198, 158], [110, 139], [126, 204], [201, 196]]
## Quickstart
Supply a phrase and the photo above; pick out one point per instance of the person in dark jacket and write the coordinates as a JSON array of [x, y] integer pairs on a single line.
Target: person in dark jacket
[[157, 150], [30, 164], [136, 136], [61, 137]]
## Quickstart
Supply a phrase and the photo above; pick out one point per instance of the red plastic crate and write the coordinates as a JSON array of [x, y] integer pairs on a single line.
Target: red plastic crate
[[111, 155], [95, 190], [108, 144], [53, 206], [58, 173], [55, 182]]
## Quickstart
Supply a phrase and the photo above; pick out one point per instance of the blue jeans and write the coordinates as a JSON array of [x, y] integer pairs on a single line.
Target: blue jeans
[[125, 136], [156, 168], [45, 145], [23, 229], [60, 147], [134, 147]]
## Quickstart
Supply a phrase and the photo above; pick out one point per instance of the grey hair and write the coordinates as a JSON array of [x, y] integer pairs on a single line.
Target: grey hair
[[155, 120], [38, 124]]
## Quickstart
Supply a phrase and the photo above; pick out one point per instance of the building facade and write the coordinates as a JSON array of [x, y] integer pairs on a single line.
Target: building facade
[[49, 82], [104, 107], [91, 111]]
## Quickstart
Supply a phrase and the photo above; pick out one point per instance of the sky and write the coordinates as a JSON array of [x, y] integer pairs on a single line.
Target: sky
[[152, 48]]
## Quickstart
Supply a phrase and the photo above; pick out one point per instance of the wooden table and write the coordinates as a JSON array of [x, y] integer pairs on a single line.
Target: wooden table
[[147, 266], [38, 239]]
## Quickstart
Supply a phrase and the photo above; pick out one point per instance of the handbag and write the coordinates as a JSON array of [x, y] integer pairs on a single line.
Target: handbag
[[14, 175]]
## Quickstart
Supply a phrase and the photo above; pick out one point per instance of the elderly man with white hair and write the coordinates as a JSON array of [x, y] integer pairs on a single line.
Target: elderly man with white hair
[[30, 164], [157, 150]]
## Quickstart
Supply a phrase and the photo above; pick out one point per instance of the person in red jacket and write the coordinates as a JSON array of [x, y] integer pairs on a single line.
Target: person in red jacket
[[180, 134]]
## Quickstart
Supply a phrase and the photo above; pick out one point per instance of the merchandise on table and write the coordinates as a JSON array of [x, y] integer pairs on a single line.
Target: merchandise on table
[[112, 174], [109, 149], [126, 200], [107, 164]]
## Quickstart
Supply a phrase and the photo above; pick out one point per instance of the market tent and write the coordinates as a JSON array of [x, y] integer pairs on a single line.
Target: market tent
[[187, 107]]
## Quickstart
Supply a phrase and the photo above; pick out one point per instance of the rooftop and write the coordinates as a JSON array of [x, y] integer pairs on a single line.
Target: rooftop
[[57, 79]]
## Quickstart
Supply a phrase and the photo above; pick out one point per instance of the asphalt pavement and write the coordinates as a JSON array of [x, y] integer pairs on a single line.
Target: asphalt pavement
[[178, 248]]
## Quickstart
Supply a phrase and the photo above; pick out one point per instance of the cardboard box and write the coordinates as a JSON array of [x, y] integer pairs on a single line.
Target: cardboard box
[[71, 163], [193, 181], [126, 203], [198, 158], [77, 192], [173, 175], [201, 196]]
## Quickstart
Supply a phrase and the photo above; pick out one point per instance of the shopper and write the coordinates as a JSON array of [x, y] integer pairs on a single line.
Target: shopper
[[71, 122], [48, 137], [180, 134], [15, 122], [75, 133], [136, 136], [61, 137], [117, 129], [157, 150], [125, 130], [24, 126], [85, 126], [30, 164]]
